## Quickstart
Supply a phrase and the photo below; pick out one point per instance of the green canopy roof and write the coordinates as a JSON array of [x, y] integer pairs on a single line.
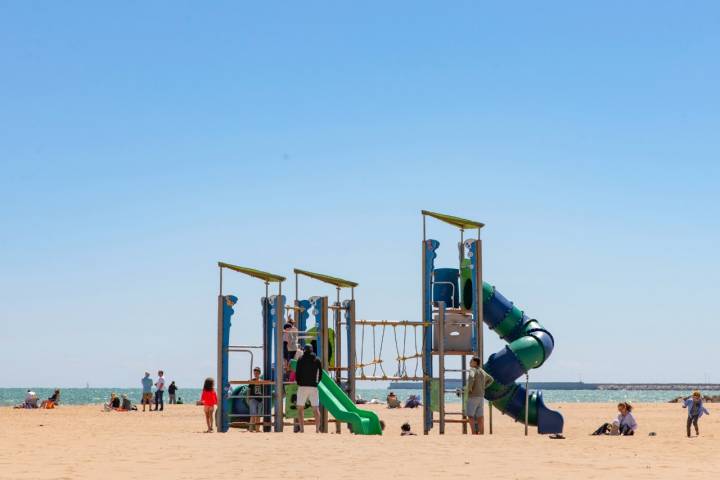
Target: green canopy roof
[[455, 221], [338, 282], [268, 277]]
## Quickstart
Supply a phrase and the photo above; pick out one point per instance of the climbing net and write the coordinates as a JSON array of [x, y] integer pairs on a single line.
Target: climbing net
[[406, 335]]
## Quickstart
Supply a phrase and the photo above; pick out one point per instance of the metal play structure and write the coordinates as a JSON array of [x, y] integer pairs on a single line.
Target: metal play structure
[[452, 314], [455, 305], [327, 340], [336, 386], [230, 401]]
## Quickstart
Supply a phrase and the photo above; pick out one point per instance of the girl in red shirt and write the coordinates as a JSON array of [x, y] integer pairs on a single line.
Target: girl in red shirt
[[209, 400]]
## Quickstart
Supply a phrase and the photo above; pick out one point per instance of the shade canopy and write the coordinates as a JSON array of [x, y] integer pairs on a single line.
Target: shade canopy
[[454, 221], [268, 277], [338, 282]]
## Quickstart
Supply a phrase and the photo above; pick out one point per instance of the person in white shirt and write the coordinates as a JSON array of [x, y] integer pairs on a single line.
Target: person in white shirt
[[625, 424], [31, 399], [160, 391]]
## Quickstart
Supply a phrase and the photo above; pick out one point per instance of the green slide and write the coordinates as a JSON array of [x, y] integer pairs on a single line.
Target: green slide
[[336, 401]]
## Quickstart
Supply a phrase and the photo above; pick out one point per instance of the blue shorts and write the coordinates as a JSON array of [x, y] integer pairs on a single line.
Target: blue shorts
[[256, 407]]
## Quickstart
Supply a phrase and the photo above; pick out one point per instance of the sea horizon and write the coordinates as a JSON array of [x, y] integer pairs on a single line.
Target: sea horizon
[[97, 396]]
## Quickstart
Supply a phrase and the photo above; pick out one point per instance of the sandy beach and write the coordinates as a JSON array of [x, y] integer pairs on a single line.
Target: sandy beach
[[79, 442]]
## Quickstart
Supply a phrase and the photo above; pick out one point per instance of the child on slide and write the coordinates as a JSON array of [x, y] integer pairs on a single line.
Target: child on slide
[[695, 409]]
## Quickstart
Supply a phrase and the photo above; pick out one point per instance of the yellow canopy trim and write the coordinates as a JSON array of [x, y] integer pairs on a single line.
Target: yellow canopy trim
[[455, 221], [338, 282], [268, 277]]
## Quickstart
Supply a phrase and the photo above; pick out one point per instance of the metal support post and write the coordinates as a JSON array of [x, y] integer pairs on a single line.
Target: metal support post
[[441, 365]]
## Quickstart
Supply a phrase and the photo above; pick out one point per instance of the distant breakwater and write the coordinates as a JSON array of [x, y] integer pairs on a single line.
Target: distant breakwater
[[457, 383]]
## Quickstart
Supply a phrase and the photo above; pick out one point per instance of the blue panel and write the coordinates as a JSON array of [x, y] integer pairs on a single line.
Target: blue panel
[[504, 366], [239, 405], [547, 341], [548, 421], [445, 286], [303, 318], [476, 288], [429, 247], [228, 302], [495, 309], [317, 307]]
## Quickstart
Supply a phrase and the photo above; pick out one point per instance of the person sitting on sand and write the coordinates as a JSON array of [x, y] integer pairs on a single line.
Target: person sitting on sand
[[412, 402], [126, 404], [31, 400], [405, 430], [113, 403], [696, 409], [392, 401], [625, 423], [53, 401]]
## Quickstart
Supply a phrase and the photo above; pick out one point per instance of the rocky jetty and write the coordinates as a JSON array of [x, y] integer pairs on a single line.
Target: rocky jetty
[[706, 399]]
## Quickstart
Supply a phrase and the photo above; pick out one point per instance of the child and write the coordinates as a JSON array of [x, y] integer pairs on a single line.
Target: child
[[256, 394], [695, 409], [405, 430], [209, 400], [290, 341]]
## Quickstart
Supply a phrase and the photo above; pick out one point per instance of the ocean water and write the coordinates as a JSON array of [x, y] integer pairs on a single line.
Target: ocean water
[[89, 396]]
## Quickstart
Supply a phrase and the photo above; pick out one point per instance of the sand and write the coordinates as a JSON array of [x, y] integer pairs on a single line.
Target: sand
[[78, 442]]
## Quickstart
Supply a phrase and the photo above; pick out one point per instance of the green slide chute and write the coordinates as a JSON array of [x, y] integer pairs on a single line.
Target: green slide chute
[[340, 406]]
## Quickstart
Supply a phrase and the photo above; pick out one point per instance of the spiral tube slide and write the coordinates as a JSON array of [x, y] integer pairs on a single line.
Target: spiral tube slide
[[529, 345]]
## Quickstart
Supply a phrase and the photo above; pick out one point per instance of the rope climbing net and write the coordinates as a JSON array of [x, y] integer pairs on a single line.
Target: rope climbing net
[[406, 335]]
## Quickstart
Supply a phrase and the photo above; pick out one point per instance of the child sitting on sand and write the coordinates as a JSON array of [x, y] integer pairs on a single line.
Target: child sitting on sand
[[625, 423], [405, 430], [209, 400], [695, 409]]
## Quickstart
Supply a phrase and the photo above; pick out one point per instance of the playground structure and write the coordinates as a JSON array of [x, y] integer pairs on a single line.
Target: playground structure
[[455, 304], [333, 389], [230, 410], [529, 344]]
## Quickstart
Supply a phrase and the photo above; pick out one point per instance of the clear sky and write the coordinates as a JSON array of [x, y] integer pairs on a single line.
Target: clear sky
[[142, 142]]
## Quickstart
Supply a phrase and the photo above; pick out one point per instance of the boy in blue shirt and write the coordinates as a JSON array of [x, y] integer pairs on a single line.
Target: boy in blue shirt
[[695, 409]]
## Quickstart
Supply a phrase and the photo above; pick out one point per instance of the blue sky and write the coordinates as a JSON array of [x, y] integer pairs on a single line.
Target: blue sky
[[140, 143]]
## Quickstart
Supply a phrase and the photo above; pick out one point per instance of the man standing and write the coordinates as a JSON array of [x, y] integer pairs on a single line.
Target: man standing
[[308, 372], [147, 384], [478, 379], [160, 391], [171, 393]]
